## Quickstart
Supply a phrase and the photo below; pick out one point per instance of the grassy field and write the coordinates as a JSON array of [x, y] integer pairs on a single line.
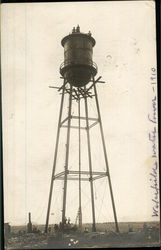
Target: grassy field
[[105, 237]]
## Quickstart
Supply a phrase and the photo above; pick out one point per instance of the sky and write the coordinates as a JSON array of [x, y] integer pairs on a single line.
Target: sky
[[125, 52]]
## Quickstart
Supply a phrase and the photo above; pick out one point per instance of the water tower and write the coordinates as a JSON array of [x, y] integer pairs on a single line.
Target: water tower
[[78, 72]]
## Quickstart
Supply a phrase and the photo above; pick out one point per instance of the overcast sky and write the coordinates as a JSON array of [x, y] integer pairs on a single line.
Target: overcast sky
[[125, 51]]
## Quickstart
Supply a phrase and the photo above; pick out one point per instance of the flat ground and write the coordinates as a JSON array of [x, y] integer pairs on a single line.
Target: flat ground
[[105, 237]]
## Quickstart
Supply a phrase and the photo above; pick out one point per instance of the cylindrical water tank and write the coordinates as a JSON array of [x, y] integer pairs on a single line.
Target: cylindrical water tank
[[78, 66]]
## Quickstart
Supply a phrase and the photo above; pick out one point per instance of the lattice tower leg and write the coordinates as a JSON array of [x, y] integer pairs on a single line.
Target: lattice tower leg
[[55, 158]]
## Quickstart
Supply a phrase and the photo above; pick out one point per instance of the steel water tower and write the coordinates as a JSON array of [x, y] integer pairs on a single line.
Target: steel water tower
[[78, 66], [78, 72]]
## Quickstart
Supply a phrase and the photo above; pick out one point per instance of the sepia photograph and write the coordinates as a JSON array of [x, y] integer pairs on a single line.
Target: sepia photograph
[[80, 125]]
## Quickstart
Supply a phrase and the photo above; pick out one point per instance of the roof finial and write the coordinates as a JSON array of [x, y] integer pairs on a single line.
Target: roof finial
[[89, 33], [78, 28], [73, 30]]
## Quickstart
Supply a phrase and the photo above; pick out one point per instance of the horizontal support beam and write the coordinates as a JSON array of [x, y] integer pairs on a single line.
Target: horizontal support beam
[[81, 117], [74, 172], [73, 90], [84, 118], [87, 172], [76, 95], [53, 87], [65, 126], [73, 178], [82, 178]]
